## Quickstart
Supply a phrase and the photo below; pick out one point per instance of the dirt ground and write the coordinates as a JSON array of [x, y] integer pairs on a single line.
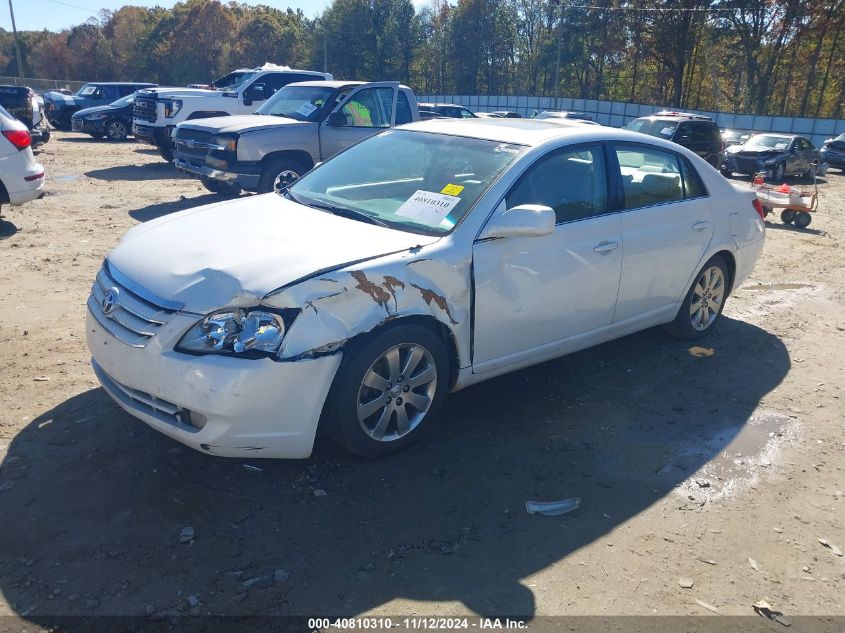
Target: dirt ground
[[718, 465]]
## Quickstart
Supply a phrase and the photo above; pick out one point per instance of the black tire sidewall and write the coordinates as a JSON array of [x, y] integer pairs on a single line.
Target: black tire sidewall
[[778, 171], [340, 417], [681, 326], [274, 168]]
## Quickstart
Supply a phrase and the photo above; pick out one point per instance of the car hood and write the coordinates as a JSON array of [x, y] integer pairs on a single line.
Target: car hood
[[241, 123], [58, 97], [837, 145], [233, 253], [741, 149], [167, 93], [94, 110]]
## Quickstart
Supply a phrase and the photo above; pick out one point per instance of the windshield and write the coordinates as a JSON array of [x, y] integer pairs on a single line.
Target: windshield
[[123, 101], [87, 90], [413, 181], [233, 80], [767, 141], [660, 128], [303, 103]]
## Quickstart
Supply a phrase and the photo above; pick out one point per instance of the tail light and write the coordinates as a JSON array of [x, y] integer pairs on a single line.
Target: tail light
[[758, 207], [19, 138]]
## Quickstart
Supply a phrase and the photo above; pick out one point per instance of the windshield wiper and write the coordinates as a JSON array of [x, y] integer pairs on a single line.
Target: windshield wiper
[[346, 212]]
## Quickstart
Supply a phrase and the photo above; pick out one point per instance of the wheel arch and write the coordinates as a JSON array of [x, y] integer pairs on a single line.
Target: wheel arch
[[730, 260], [299, 155], [427, 321], [4, 195]]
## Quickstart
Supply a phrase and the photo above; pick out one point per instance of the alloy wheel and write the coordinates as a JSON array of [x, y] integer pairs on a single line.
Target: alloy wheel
[[284, 179], [708, 294], [396, 392]]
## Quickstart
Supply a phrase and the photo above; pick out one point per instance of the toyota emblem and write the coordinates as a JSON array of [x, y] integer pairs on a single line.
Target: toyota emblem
[[110, 301]]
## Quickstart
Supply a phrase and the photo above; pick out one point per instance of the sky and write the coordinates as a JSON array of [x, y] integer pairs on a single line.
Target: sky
[[34, 15]]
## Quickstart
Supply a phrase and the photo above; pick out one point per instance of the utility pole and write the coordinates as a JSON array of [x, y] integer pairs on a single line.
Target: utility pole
[[17, 44], [557, 64], [325, 53]]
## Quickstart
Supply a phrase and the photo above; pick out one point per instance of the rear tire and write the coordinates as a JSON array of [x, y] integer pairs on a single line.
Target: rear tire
[[387, 390], [279, 174], [166, 154], [727, 173], [803, 219], [787, 216], [701, 309]]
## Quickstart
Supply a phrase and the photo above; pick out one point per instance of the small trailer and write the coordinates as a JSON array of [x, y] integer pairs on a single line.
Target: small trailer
[[797, 203]]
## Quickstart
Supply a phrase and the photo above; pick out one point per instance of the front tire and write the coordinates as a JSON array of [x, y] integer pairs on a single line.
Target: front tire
[[280, 174], [702, 307], [387, 391], [778, 171], [803, 219], [220, 188], [166, 154], [116, 130]]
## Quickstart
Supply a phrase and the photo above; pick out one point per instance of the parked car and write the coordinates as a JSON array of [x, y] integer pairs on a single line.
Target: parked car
[[299, 126], [21, 177], [832, 152], [158, 112], [419, 261], [506, 114], [448, 110], [777, 155], [26, 106], [114, 121], [59, 108], [425, 115], [696, 132], [554, 114], [736, 137]]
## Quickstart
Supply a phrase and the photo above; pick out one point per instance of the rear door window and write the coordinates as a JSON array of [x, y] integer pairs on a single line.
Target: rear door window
[[650, 176]]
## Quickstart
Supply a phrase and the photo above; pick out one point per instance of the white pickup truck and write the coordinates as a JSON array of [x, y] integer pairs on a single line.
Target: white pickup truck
[[301, 125], [158, 110]]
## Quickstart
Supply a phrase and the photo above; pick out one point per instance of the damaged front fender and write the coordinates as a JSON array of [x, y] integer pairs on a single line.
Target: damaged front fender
[[341, 304]]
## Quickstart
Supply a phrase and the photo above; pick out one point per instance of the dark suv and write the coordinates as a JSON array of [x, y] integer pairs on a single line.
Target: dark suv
[[696, 132]]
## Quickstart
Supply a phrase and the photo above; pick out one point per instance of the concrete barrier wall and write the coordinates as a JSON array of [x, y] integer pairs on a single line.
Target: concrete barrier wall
[[618, 113]]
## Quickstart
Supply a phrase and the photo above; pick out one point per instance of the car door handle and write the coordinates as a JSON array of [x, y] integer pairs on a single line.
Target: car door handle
[[605, 247], [701, 225]]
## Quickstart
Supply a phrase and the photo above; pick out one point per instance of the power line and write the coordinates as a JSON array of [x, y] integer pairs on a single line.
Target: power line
[[73, 6]]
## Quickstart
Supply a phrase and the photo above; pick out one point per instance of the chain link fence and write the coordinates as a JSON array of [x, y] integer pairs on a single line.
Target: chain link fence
[[43, 85]]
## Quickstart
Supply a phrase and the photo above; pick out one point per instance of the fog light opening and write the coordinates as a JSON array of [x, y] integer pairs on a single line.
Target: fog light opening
[[196, 420]]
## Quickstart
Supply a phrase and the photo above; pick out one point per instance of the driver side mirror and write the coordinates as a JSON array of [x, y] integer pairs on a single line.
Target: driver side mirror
[[525, 220], [336, 119], [254, 93]]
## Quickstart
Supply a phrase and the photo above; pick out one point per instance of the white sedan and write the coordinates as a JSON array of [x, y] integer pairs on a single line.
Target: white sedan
[[418, 262], [21, 176]]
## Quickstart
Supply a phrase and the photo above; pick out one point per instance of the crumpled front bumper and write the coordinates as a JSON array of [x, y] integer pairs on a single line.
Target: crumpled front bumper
[[230, 407], [245, 181]]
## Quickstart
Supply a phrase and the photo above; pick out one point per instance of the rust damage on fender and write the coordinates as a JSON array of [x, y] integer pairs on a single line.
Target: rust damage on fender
[[374, 290], [342, 304], [429, 296]]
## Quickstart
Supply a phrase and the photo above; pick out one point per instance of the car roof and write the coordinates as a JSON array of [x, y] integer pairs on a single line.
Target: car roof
[[330, 83], [442, 105], [532, 132], [121, 83]]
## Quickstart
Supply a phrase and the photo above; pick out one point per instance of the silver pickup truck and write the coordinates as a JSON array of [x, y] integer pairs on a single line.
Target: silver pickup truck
[[301, 125]]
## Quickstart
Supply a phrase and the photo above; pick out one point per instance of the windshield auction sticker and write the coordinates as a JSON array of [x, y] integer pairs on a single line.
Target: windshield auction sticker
[[452, 190], [306, 108], [427, 207]]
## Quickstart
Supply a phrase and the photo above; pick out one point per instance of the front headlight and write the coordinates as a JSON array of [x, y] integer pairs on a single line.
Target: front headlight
[[227, 143], [171, 108], [236, 332], [95, 117]]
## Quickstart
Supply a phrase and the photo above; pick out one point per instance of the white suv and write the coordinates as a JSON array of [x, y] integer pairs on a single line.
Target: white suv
[[21, 177]]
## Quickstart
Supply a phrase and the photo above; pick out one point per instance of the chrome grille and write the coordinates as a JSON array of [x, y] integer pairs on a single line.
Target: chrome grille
[[192, 145], [145, 108], [130, 315]]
